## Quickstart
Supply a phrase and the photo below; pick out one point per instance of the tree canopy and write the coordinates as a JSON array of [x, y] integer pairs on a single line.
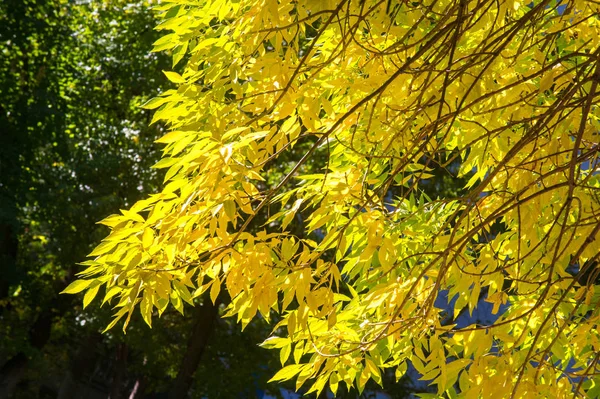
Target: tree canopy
[[307, 139], [74, 145]]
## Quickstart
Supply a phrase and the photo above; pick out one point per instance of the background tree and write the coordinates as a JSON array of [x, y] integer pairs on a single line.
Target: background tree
[[64, 153], [74, 145]]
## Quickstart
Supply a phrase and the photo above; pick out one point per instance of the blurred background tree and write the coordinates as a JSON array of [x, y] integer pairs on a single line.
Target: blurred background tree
[[75, 146]]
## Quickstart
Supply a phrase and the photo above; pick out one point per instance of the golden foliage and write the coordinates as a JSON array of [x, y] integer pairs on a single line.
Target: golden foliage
[[360, 103]]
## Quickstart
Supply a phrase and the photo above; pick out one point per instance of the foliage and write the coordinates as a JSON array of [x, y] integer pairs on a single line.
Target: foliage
[[74, 144], [386, 97]]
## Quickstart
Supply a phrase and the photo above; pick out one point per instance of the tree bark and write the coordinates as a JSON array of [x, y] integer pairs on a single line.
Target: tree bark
[[120, 371], [11, 374], [203, 326], [12, 371], [8, 257], [82, 363], [137, 392], [139, 387]]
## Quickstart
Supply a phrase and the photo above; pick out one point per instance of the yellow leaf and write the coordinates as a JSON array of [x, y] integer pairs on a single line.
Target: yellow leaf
[[174, 77], [183, 292], [147, 238], [179, 52], [364, 377], [114, 290], [291, 324], [176, 301], [172, 137], [116, 318], [287, 372], [104, 247], [90, 294], [146, 306], [215, 289], [546, 81], [77, 286], [165, 163], [284, 354], [298, 352], [163, 286], [155, 102], [166, 42]]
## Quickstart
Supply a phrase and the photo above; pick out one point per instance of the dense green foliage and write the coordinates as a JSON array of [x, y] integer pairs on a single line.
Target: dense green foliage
[[74, 142]]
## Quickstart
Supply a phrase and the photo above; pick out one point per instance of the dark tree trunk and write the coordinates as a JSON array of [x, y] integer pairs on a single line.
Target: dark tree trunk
[[82, 363], [137, 392], [139, 387], [8, 257], [119, 372], [11, 374], [12, 371], [203, 326]]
